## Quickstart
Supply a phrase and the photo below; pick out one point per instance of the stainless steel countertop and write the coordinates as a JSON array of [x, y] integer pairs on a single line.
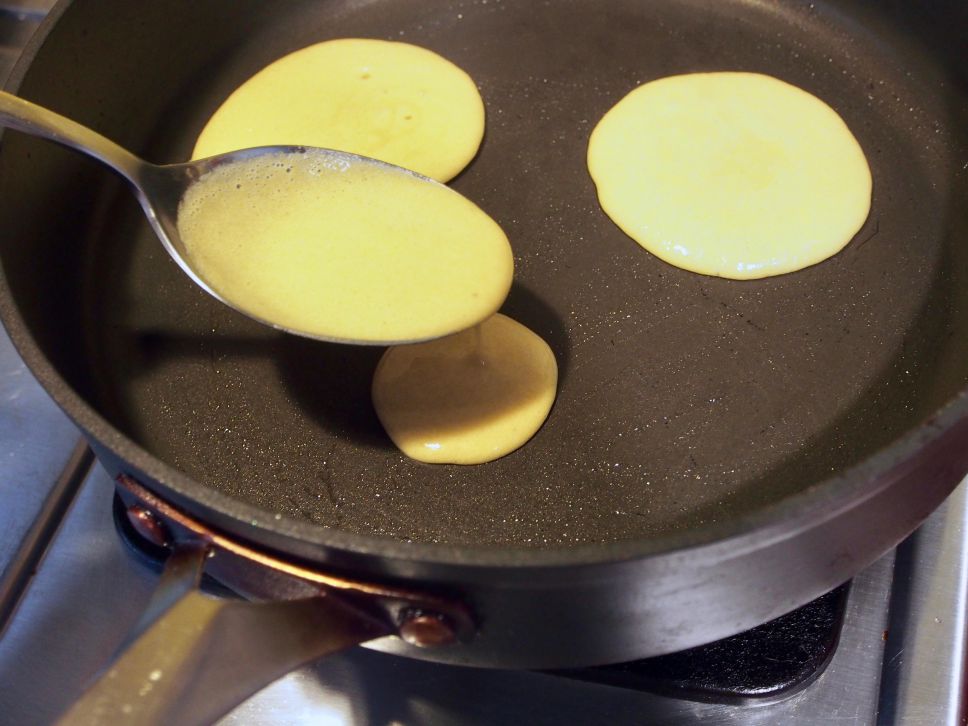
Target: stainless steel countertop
[[924, 664]]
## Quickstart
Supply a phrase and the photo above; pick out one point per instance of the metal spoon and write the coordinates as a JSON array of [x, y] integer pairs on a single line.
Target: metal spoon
[[160, 188]]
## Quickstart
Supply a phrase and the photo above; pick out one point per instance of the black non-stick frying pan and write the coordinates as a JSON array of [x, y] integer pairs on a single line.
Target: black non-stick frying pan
[[720, 451]]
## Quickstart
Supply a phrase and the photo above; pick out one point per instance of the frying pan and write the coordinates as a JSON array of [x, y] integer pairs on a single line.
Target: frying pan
[[720, 452]]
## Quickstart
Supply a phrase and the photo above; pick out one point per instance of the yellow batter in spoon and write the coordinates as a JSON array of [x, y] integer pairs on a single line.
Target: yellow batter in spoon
[[343, 248]]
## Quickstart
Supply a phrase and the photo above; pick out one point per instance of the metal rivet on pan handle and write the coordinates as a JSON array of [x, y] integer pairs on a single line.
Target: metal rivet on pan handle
[[426, 629], [148, 525]]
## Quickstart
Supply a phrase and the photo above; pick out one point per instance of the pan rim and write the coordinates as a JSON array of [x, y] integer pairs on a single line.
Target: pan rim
[[784, 519]]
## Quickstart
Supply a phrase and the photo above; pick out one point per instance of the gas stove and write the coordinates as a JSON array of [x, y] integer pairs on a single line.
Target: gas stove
[[887, 650]]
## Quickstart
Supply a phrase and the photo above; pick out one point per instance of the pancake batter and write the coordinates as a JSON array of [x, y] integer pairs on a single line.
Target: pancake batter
[[469, 398], [391, 101], [738, 175]]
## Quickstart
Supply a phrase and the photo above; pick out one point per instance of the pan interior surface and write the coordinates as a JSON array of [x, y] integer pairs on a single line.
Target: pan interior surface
[[683, 399]]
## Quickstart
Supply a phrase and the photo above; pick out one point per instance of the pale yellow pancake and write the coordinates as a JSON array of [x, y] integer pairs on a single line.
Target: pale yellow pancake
[[738, 175], [357, 251], [469, 398], [391, 101]]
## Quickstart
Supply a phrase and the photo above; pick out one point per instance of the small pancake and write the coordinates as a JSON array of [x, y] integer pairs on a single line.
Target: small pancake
[[469, 398]]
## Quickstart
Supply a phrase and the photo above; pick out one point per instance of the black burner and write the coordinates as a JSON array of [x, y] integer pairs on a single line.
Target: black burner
[[769, 662]]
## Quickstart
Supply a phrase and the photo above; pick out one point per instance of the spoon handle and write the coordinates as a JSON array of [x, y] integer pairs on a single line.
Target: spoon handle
[[36, 120]]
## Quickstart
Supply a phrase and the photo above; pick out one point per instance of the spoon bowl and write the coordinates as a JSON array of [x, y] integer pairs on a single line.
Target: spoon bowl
[[160, 190]]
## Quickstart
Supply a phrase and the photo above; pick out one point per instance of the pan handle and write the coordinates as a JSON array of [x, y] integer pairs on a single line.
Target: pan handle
[[192, 658]]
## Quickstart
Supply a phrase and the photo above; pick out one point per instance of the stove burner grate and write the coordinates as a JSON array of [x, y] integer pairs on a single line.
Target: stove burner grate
[[770, 662]]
